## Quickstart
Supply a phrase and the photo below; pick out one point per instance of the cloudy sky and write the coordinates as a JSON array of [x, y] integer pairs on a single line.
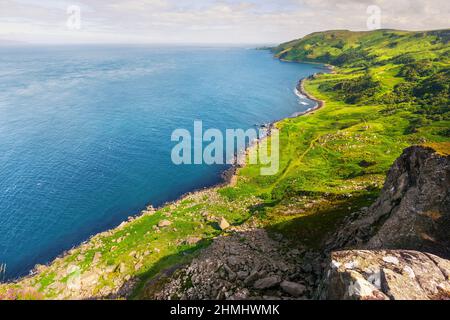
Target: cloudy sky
[[204, 21]]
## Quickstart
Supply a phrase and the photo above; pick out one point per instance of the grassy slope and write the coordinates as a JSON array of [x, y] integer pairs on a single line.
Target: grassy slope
[[385, 44], [332, 162]]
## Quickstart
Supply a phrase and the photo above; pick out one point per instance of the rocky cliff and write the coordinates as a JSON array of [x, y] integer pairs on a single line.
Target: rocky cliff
[[386, 275], [412, 213]]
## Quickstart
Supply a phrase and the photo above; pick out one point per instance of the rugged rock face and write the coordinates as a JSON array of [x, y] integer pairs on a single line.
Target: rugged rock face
[[412, 212], [384, 275]]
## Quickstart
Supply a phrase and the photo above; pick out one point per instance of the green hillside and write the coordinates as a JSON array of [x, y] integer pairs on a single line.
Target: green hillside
[[389, 90], [407, 70], [347, 48]]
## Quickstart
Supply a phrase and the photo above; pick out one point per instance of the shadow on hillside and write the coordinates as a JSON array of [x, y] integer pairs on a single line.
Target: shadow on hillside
[[312, 227], [155, 277], [308, 231], [255, 248]]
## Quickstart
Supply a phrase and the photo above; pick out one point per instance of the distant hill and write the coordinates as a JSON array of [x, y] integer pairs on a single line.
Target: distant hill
[[402, 69], [343, 47]]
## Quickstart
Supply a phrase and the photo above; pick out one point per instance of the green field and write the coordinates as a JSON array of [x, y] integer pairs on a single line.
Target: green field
[[390, 90]]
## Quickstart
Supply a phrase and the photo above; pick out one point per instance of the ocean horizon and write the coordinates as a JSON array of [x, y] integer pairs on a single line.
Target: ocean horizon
[[85, 132]]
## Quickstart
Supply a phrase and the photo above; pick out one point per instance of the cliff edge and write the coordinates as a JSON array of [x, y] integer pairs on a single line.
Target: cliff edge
[[412, 212], [400, 245]]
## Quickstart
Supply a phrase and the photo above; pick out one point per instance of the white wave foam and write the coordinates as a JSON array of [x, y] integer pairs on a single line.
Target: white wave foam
[[299, 94]]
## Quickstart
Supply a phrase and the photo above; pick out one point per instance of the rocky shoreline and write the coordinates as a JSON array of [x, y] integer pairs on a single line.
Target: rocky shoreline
[[301, 89], [229, 176]]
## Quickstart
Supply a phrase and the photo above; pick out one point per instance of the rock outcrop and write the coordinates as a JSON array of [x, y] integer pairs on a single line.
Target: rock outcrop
[[412, 212], [384, 275]]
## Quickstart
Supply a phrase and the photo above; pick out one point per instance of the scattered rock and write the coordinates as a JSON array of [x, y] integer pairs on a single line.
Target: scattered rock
[[192, 240], [243, 265], [74, 282], [89, 279], [252, 278], [292, 288], [267, 283], [411, 213], [231, 274], [233, 261], [241, 294], [72, 269], [97, 258], [223, 224], [138, 266], [164, 223], [122, 267], [110, 268], [132, 254], [242, 275]]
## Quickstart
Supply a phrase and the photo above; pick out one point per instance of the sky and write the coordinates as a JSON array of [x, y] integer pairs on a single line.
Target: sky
[[206, 21]]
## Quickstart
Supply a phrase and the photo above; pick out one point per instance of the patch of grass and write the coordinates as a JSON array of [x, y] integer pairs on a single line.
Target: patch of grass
[[442, 148]]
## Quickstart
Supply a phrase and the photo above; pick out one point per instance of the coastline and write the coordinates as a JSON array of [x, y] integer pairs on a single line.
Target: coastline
[[301, 89], [230, 176], [229, 179]]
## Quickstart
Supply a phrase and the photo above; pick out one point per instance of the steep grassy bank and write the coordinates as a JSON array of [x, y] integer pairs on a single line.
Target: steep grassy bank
[[389, 91]]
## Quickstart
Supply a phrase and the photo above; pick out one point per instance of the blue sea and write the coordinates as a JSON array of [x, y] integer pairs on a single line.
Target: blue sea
[[85, 133]]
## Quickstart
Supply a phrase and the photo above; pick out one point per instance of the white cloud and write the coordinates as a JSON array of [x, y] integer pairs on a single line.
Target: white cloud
[[225, 21]]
